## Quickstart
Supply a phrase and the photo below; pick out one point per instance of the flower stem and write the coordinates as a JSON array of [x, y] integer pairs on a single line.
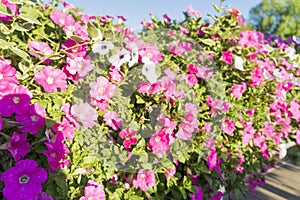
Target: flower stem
[[4, 135], [44, 139]]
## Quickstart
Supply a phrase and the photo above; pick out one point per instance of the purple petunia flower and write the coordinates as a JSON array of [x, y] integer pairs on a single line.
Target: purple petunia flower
[[18, 146], [24, 180], [33, 120]]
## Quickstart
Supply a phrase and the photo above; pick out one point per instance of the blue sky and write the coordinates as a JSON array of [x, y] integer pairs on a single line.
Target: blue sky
[[136, 10]]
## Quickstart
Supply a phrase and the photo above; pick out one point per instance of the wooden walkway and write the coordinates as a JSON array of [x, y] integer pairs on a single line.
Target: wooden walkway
[[282, 183]]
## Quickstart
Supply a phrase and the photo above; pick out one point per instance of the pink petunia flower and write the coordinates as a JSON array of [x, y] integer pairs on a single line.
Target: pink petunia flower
[[93, 190], [85, 114], [65, 127], [149, 52], [183, 30], [128, 136], [36, 48], [24, 180], [180, 48], [144, 179], [74, 48], [228, 126], [102, 89], [51, 79], [257, 77], [192, 11], [33, 119], [115, 74], [298, 137], [13, 9], [113, 120], [227, 57], [7, 74], [61, 18], [17, 101], [238, 90], [159, 142], [170, 173], [18, 146], [295, 109], [167, 19]]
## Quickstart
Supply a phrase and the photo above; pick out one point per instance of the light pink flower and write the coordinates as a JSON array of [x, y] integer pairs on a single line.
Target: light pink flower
[[191, 79], [238, 89], [248, 134], [204, 72], [113, 120], [144, 179], [85, 114], [36, 48], [79, 65], [183, 30], [298, 137], [180, 48], [93, 190], [61, 18], [228, 126], [227, 57], [192, 11], [295, 109], [102, 89], [51, 79], [159, 142], [170, 173], [128, 136], [149, 52], [65, 127]]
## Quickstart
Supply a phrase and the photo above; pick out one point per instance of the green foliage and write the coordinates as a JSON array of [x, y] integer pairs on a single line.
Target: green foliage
[[280, 17]]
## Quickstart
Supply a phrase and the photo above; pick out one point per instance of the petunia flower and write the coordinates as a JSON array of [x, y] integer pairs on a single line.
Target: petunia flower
[[61, 18], [122, 56], [128, 136], [144, 179], [93, 190], [113, 120], [102, 47], [24, 180], [228, 126], [36, 48], [33, 119], [18, 146], [159, 142], [85, 114], [51, 79]]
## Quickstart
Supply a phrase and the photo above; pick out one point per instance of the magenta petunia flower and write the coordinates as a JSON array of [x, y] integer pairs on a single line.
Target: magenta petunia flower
[[12, 7], [32, 120], [144, 179], [197, 195], [61, 18], [167, 19], [128, 136], [36, 48], [159, 142], [76, 49], [113, 120], [43, 196], [16, 101], [93, 190], [102, 89], [56, 153], [85, 114], [238, 90], [18, 146], [227, 57], [228, 126], [51, 79], [24, 180]]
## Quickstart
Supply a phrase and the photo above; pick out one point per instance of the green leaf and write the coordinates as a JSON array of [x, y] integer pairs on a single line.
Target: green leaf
[[208, 42], [20, 53], [29, 19], [92, 30], [4, 10], [4, 29], [16, 1], [4, 44], [22, 27]]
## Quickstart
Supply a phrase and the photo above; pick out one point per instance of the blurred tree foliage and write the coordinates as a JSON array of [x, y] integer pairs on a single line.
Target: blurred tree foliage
[[280, 17]]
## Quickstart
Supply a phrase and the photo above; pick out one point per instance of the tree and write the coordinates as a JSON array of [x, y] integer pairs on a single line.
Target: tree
[[280, 17]]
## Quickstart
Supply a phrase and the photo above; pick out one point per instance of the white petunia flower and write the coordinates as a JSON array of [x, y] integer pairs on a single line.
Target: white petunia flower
[[121, 57], [149, 72], [102, 47], [238, 63]]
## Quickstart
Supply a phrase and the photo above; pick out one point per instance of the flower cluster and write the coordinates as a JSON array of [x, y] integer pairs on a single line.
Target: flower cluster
[[88, 109]]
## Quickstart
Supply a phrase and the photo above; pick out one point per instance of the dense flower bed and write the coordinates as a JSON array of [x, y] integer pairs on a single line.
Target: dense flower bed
[[181, 110]]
